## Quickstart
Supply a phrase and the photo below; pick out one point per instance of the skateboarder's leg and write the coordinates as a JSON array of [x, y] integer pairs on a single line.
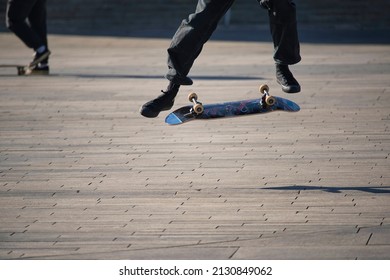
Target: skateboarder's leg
[[186, 46], [283, 26], [192, 34]]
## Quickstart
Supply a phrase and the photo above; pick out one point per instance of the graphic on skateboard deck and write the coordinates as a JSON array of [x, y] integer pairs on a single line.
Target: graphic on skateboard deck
[[21, 69], [265, 104]]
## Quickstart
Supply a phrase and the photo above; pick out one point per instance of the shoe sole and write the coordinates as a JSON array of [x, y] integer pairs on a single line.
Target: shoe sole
[[147, 113], [291, 89]]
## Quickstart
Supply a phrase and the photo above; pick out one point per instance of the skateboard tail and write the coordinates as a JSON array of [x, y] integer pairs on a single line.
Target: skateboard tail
[[287, 105], [21, 69]]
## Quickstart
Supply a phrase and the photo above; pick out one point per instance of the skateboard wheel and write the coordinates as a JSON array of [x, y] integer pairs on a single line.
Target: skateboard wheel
[[192, 95], [270, 100], [21, 70], [198, 109], [264, 88]]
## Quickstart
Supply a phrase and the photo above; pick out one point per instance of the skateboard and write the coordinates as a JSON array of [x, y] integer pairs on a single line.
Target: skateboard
[[197, 111], [21, 69]]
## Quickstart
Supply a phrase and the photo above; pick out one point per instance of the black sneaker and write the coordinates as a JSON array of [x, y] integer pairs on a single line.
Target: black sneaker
[[286, 79], [39, 57], [163, 102]]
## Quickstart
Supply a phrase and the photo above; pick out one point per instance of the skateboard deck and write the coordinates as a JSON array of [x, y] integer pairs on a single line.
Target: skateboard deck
[[27, 69], [21, 69], [198, 111]]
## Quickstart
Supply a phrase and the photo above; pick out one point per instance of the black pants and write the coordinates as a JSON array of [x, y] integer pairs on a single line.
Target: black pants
[[195, 31], [27, 19]]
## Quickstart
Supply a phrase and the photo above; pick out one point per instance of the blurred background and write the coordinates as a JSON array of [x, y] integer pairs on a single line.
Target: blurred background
[[133, 17]]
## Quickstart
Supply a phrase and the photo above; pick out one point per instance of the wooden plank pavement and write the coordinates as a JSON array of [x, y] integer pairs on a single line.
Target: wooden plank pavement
[[84, 176]]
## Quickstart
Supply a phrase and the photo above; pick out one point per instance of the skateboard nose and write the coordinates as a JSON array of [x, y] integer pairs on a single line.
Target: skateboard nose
[[172, 119]]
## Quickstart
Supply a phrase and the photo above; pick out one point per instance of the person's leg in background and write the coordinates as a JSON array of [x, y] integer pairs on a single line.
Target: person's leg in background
[[34, 37]]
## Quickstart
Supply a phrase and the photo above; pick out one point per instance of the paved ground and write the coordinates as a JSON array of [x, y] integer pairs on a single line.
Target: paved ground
[[84, 176]]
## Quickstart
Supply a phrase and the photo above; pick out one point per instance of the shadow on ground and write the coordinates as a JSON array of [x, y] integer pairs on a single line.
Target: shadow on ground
[[373, 190], [143, 77]]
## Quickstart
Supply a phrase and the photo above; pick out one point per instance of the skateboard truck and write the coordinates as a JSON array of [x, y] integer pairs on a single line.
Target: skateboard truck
[[197, 109], [266, 99]]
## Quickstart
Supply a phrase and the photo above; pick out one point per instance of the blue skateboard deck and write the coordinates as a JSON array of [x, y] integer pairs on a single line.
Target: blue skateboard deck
[[232, 109]]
